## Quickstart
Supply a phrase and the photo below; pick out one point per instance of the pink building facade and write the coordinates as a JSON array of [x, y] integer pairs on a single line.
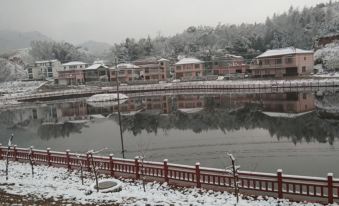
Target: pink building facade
[[283, 62]]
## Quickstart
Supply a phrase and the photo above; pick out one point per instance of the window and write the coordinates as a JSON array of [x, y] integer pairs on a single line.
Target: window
[[64, 67], [178, 67], [49, 69], [129, 71], [278, 61], [147, 70], [197, 66], [304, 96], [305, 58], [161, 63], [289, 60], [101, 73], [50, 74], [29, 70], [81, 66], [303, 69], [122, 72], [266, 61]]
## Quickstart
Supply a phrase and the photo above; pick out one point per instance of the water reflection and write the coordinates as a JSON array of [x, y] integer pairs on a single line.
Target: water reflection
[[289, 115]]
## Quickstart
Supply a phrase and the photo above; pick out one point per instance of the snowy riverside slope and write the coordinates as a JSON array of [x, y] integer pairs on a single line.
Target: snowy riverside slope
[[60, 184]]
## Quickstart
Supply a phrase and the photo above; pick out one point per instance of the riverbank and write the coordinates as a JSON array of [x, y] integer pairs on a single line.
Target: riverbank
[[58, 186], [249, 86]]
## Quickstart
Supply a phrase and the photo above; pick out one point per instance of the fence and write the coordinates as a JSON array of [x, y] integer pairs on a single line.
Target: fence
[[278, 185]]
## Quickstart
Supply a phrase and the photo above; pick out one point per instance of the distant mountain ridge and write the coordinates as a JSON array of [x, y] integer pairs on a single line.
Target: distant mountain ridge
[[13, 40]]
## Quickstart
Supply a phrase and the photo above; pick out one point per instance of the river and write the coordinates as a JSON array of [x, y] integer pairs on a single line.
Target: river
[[265, 132]]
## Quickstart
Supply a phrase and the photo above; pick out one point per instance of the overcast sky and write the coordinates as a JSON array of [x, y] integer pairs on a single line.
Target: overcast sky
[[112, 21]]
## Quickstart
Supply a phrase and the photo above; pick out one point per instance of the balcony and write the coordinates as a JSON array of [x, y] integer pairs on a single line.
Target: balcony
[[271, 63]]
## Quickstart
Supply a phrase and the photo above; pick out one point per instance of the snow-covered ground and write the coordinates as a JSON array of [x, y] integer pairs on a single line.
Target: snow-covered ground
[[19, 87], [59, 184], [327, 75]]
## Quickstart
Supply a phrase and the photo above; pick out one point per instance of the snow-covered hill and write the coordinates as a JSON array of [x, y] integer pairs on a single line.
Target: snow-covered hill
[[12, 65]]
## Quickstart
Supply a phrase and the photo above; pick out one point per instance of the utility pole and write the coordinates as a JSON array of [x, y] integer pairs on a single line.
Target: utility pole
[[119, 116]]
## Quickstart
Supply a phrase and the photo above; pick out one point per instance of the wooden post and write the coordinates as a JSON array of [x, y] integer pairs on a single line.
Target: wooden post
[[15, 153], [136, 161], [111, 166], [197, 174], [279, 176], [68, 159], [166, 170], [1, 151], [330, 188], [49, 156]]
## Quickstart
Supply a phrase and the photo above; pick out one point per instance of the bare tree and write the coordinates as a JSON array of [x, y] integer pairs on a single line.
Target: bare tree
[[7, 154], [94, 166], [233, 169], [141, 159], [81, 169], [31, 161]]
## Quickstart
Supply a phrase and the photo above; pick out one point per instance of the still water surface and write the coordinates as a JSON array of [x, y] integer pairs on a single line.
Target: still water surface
[[265, 132]]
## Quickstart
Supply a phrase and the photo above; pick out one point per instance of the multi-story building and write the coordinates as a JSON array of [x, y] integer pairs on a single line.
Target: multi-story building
[[152, 69], [126, 72], [42, 70], [283, 62], [96, 72], [229, 64], [189, 68], [72, 73]]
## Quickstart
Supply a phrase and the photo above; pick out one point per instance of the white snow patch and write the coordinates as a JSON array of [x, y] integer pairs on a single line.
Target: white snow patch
[[106, 97]]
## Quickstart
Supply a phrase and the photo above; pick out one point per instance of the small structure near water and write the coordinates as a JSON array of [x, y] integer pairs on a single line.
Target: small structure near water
[[107, 185]]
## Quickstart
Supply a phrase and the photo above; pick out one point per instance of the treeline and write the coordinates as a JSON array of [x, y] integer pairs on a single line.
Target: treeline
[[295, 27], [62, 51]]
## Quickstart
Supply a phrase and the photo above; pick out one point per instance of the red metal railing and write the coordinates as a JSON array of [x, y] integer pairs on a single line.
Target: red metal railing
[[324, 190]]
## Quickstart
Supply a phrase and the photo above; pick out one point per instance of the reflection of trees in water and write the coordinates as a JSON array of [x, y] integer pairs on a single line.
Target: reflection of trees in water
[[307, 128], [49, 131]]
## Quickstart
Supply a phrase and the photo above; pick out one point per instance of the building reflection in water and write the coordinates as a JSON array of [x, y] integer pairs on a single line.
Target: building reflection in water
[[62, 119], [270, 104]]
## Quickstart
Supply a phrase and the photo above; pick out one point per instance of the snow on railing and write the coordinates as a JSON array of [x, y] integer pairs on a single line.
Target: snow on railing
[[275, 184]]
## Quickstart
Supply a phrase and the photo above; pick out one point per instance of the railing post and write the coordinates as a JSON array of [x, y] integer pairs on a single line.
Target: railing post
[[0, 151], [166, 170], [279, 176], [68, 159], [330, 188], [49, 156], [111, 166], [136, 161], [88, 162], [197, 174], [15, 153]]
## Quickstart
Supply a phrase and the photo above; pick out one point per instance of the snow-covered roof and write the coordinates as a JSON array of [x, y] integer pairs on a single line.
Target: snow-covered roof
[[284, 51], [163, 60], [46, 61], [126, 66], [233, 56], [96, 66], [189, 61], [74, 63]]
